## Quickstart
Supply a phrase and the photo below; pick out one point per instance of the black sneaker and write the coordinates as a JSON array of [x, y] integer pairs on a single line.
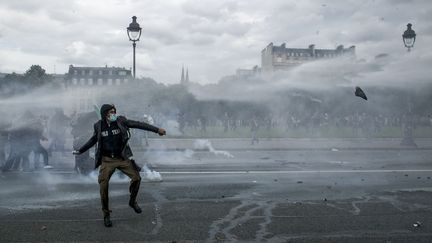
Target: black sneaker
[[107, 221], [135, 207]]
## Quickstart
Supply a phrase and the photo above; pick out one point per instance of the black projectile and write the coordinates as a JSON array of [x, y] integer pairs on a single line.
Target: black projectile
[[359, 92]]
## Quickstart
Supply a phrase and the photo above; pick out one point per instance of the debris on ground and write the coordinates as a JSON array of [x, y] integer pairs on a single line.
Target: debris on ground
[[359, 93], [43, 227], [417, 224]]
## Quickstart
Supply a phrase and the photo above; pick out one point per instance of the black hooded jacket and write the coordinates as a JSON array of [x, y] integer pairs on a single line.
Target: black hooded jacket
[[124, 124]]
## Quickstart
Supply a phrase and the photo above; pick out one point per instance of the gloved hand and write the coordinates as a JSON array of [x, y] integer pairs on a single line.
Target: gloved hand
[[76, 152]]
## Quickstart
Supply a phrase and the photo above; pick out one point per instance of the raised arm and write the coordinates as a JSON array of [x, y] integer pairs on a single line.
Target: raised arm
[[144, 126]]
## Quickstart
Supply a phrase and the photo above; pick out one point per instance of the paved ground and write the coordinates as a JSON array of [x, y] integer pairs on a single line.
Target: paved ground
[[325, 195]]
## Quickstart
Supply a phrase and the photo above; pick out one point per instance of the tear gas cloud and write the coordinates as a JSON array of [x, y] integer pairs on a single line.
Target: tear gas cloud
[[401, 71]]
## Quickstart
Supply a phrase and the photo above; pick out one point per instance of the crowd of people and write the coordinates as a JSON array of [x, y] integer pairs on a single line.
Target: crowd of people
[[29, 137]]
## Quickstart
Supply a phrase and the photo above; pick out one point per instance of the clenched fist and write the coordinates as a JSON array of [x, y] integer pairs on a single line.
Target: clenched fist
[[161, 132]]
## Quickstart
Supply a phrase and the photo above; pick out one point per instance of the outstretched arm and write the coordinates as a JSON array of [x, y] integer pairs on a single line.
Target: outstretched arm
[[92, 141], [144, 126]]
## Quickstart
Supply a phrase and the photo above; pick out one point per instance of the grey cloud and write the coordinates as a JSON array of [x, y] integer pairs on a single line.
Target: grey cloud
[[65, 16], [209, 10], [215, 37], [200, 39]]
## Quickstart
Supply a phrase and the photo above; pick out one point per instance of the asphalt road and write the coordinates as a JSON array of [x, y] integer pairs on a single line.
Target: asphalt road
[[303, 195]]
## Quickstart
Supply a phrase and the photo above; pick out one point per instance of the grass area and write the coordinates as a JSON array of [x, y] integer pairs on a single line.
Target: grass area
[[321, 132]]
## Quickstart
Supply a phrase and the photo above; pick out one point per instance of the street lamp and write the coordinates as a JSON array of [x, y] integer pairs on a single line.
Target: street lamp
[[409, 37], [134, 33]]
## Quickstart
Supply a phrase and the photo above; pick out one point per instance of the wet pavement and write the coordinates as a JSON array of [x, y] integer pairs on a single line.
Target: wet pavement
[[334, 195]]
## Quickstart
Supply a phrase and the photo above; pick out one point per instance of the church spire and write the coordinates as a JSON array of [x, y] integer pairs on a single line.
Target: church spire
[[182, 80]]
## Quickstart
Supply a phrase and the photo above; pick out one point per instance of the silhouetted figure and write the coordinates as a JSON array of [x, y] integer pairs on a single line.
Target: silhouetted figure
[[81, 128], [254, 130], [57, 127], [4, 137]]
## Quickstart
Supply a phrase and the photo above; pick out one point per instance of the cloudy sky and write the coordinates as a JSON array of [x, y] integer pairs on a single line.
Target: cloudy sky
[[211, 37]]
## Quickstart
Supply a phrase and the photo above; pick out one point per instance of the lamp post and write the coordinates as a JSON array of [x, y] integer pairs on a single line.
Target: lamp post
[[408, 38], [134, 33]]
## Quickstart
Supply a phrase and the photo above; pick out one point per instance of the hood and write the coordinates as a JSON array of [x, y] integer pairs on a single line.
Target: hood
[[105, 108]]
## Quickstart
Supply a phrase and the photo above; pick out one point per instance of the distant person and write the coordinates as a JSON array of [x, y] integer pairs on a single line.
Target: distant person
[[254, 130], [39, 150], [21, 135], [57, 127], [19, 150], [4, 134], [111, 134], [81, 127]]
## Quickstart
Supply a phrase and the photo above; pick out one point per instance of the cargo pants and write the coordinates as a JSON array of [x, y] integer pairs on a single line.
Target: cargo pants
[[107, 168]]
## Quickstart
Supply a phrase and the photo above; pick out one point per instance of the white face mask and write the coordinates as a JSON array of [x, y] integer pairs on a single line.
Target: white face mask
[[112, 117]]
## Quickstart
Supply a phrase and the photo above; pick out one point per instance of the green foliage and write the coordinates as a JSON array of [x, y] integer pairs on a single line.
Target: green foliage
[[14, 83], [36, 76]]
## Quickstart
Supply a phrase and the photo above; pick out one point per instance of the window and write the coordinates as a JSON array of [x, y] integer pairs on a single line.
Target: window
[[100, 72], [90, 81], [75, 72], [90, 72], [110, 72], [83, 72], [279, 58], [110, 81], [82, 81], [126, 80], [122, 73], [74, 81], [99, 81]]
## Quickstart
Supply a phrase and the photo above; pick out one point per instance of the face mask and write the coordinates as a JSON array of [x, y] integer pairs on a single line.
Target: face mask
[[112, 117]]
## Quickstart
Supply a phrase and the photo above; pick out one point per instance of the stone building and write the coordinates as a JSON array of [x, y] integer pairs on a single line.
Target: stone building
[[277, 58], [87, 83], [96, 76]]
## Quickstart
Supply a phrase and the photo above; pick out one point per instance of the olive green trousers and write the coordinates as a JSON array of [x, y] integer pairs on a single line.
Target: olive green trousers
[[107, 168]]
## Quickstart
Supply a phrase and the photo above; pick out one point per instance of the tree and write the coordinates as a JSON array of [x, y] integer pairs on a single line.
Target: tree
[[36, 76]]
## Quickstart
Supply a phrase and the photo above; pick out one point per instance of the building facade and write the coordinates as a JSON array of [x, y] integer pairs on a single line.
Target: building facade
[[279, 58], [97, 76], [87, 83]]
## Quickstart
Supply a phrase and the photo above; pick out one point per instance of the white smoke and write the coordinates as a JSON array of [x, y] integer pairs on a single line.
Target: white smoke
[[150, 174], [205, 144]]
